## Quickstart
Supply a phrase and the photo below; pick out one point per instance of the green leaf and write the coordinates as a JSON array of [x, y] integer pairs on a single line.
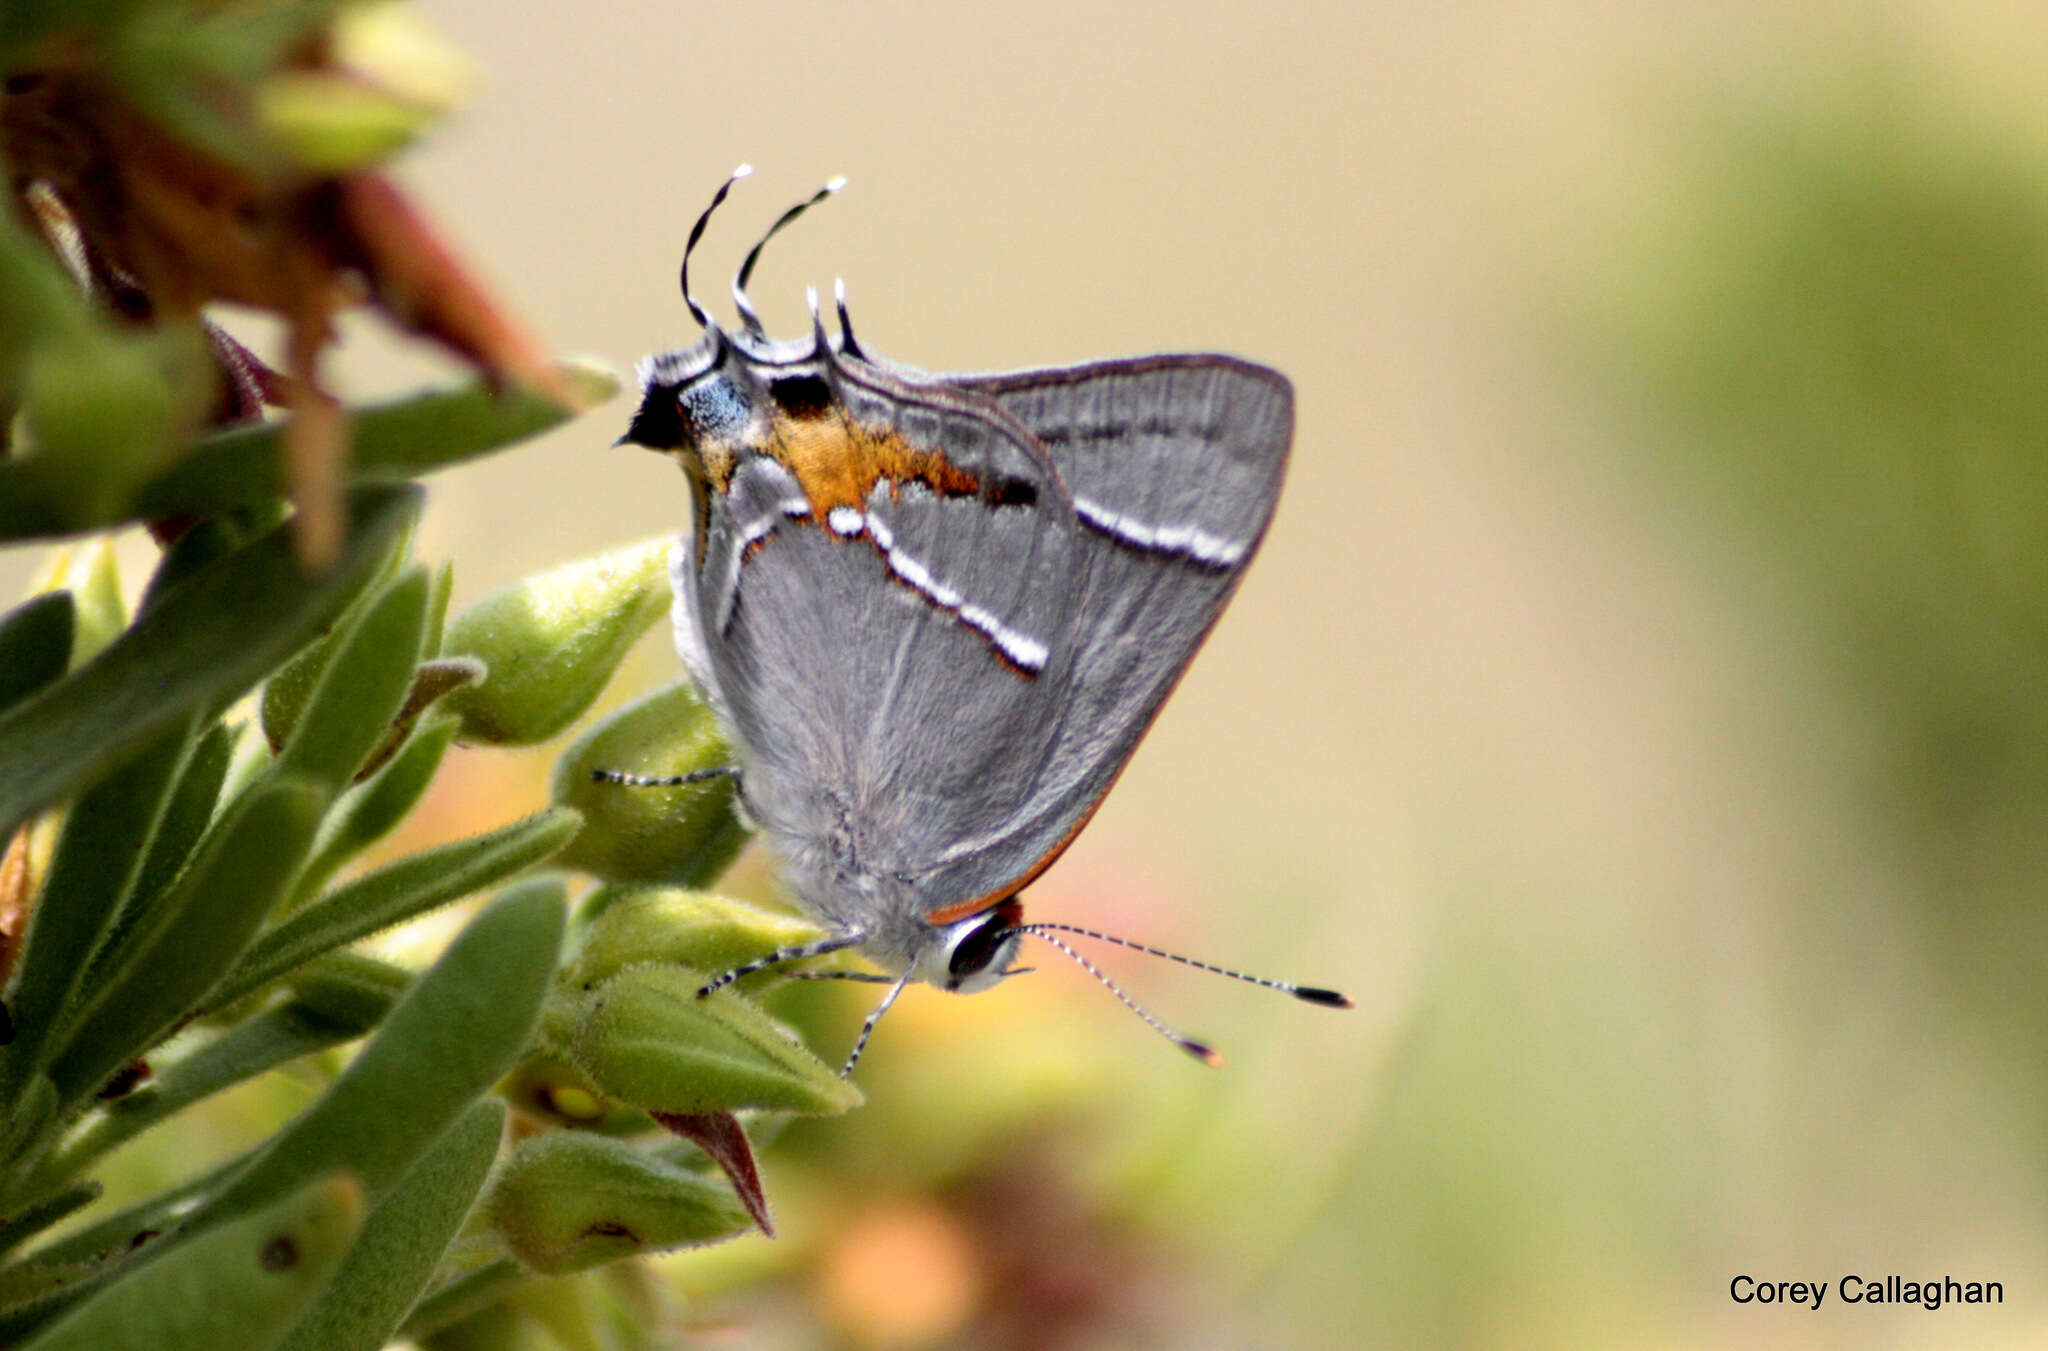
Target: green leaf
[[349, 987], [189, 812], [194, 652], [201, 544], [239, 1285], [682, 837], [185, 943], [287, 690], [364, 686], [451, 1037], [243, 466], [30, 1112], [463, 1297], [35, 645], [403, 1241], [273, 1037], [87, 1258], [569, 1200], [93, 871], [551, 642], [646, 1038], [390, 895], [373, 808], [53, 1209]]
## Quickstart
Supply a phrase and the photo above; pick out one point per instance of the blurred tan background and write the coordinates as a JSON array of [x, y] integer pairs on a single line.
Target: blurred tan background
[[1640, 705]]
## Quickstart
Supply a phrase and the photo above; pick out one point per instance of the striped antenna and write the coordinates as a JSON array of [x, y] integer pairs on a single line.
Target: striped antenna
[[1308, 993], [697, 311], [1208, 1055], [746, 272]]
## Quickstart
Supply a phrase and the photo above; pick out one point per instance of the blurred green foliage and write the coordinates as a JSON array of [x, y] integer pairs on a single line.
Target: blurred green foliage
[[1842, 363]]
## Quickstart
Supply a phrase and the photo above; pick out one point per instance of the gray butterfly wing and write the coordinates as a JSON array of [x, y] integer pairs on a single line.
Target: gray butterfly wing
[[1173, 465], [932, 705], [880, 669]]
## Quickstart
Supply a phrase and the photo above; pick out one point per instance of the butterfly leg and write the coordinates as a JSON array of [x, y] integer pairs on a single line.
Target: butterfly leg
[[795, 953], [624, 779]]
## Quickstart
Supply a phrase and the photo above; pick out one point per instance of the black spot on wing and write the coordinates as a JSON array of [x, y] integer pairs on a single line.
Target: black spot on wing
[[1012, 492], [803, 397]]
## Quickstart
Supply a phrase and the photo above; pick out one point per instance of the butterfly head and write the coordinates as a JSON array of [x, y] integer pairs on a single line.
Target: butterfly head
[[970, 955]]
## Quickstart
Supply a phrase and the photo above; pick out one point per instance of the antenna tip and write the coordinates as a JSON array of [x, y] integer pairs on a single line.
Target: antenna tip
[[1327, 998], [836, 184], [1208, 1055], [743, 171]]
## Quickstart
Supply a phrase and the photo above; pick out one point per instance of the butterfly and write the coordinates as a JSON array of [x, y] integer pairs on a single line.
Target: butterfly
[[935, 614]]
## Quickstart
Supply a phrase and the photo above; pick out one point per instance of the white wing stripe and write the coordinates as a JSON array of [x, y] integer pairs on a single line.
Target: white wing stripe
[[1185, 541]]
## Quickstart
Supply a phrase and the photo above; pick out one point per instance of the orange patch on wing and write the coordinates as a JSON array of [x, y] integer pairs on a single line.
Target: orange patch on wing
[[839, 466]]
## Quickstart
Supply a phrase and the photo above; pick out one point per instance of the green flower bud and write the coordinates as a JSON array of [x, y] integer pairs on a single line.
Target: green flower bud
[[569, 1200], [550, 642], [684, 928], [681, 836], [645, 1038]]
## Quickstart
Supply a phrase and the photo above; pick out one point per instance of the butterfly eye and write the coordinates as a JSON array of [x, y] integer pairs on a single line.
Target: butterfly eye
[[975, 952]]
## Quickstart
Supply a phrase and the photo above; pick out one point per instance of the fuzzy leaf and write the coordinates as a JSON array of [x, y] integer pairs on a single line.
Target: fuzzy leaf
[[53, 1209], [188, 813], [348, 987], [373, 808], [273, 1037], [195, 934], [362, 689], [30, 1112], [194, 652], [105, 843], [451, 1037], [409, 887], [458, 1299], [242, 1284], [403, 1240]]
